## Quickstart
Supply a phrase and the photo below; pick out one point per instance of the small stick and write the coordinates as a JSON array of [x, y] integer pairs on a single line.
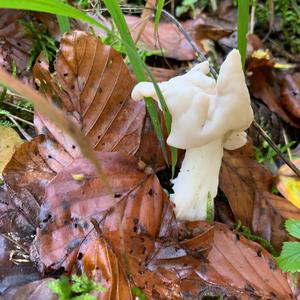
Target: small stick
[[24, 133], [274, 146]]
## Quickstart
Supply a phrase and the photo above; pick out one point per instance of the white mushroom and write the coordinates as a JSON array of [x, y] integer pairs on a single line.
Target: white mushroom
[[207, 116]]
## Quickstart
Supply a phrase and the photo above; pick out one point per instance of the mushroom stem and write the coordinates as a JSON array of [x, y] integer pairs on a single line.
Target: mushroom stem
[[198, 177]]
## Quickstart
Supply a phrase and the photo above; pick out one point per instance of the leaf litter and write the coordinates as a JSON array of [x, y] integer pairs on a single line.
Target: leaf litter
[[83, 228]]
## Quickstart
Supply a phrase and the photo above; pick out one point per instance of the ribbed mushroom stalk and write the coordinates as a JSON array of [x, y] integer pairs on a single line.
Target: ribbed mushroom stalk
[[207, 116]]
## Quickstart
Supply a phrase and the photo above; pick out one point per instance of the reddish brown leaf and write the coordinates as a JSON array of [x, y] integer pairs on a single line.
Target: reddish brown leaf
[[242, 264], [101, 263], [27, 175], [92, 86], [291, 93], [246, 185], [70, 204], [265, 85], [170, 39]]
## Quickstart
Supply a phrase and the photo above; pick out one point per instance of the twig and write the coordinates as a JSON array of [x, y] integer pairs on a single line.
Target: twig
[[24, 133], [214, 74], [274, 146], [201, 57]]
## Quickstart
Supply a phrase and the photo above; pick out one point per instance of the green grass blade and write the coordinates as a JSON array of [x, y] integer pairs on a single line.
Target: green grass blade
[[53, 7], [243, 18], [159, 6], [63, 23], [139, 69]]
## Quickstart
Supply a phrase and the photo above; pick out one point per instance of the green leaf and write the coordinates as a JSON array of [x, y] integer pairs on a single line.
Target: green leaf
[[159, 6], [137, 292], [61, 287], [289, 259], [53, 7], [138, 67], [293, 227], [243, 17], [82, 284]]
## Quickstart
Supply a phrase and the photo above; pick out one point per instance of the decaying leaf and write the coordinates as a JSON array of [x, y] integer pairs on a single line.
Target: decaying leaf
[[247, 186], [168, 39], [27, 175], [265, 85], [9, 140], [112, 238], [288, 184], [31, 291], [92, 86], [16, 234], [291, 94], [15, 47]]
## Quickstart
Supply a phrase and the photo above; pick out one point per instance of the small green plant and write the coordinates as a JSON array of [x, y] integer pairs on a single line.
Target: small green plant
[[190, 5], [288, 15], [266, 154], [76, 288], [138, 293], [41, 41], [246, 232], [289, 259]]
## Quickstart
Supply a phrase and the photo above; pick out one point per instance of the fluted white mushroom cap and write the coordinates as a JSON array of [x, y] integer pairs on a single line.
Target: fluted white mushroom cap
[[204, 110]]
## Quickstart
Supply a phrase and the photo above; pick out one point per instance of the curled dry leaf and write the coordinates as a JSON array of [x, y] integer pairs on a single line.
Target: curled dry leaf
[[246, 184], [125, 247], [168, 38], [92, 86]]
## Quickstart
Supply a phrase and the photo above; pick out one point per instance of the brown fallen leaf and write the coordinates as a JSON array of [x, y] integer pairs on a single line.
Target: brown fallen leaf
[[246, 184], [92, 86], [31, 291], [16, 234], [265, 85], [170, 40], [66, 215], [115, 241], [16, 46], [27, 174], [236, 259], [290, 93]]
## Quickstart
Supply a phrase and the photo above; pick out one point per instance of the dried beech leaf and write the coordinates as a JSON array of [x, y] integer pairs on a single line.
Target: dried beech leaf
[[27, 175], [246, 184], [235, 261], [31, 291], [92, 86], [102, 264], [168, 39], [70, 204]]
